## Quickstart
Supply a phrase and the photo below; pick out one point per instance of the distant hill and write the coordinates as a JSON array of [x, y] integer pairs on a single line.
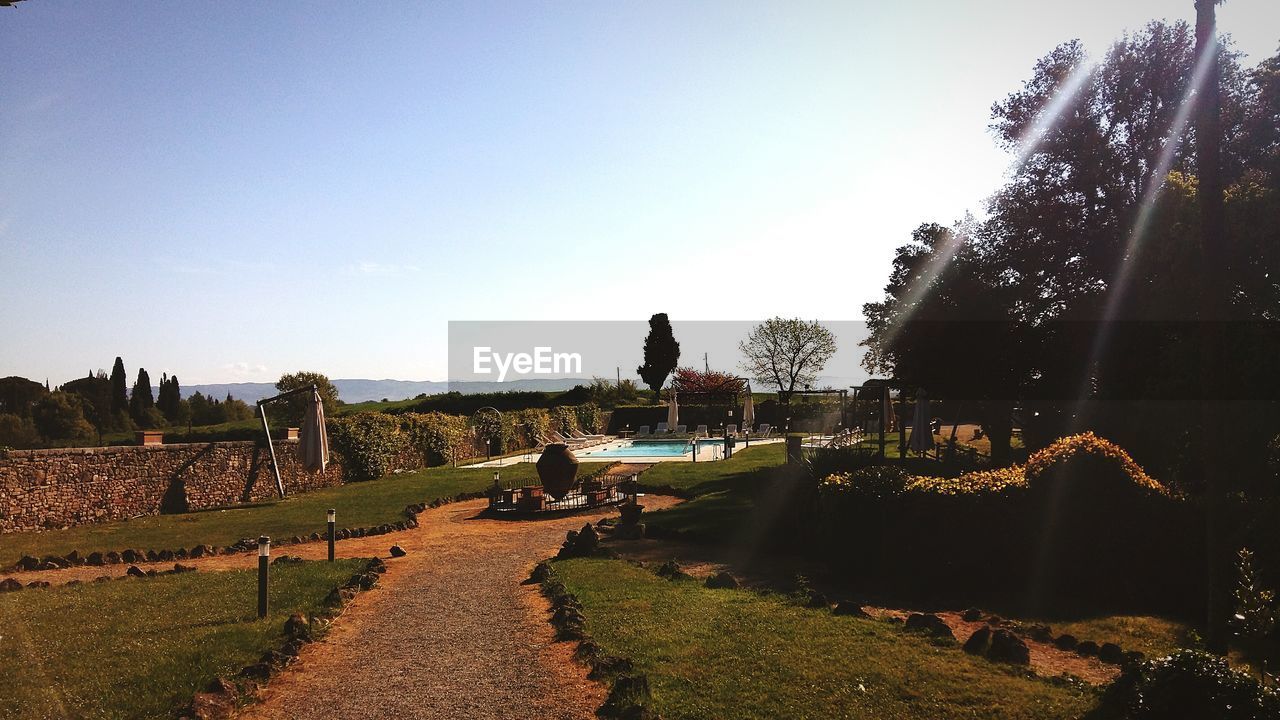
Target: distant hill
[[354, 390]]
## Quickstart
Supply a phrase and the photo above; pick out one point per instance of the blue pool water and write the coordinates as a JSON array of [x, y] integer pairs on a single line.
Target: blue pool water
[[648, 448]]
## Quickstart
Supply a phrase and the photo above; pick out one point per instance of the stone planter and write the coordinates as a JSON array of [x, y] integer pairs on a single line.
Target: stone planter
[[150, 437], [558, 469]]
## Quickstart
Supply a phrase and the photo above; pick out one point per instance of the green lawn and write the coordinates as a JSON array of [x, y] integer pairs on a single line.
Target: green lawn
[[738, 654], [140, 648], [359, 505], [703, 477]]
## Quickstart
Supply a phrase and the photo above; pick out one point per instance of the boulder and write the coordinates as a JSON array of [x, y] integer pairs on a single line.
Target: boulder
[[397, 551], [1008, 648], [95, 559], [1088, 648], [979, 641], [297, 627], [580, 543], [850, 609], [200, 551], [111, 557], [216, 702], [131, 556], [28, 563], [971, 615], [165, 556], [135, 571], [38, 584], [1066, 642], [49, 565], [722, 581], [1111, 653], [931, 625], [671, 571], [1040, 633], [73, 558], [180, 568]]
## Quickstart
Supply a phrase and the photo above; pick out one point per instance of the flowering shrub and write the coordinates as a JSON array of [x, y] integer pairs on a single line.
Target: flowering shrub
[[874, 481], [1066, 449], [1056, 456], [996, 480]]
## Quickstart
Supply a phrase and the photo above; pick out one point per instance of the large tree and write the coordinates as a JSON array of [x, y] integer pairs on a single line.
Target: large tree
[[661, 353], [59, 416], [787, 352], [119, 387], [292, 409]]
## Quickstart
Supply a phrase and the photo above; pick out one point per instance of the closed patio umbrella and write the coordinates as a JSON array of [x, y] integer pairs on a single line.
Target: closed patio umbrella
[[313, 445], [673, 413], [921, 430], [748, 412]]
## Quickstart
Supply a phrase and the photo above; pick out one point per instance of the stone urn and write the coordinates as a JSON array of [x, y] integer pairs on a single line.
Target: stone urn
[[557, 468]]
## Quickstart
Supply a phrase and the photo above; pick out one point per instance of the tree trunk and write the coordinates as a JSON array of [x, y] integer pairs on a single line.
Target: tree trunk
[[1214, 308], [997, 423]]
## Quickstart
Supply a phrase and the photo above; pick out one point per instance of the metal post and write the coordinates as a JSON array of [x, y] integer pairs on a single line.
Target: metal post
[[333, 530], [271, 448], [264, 559]]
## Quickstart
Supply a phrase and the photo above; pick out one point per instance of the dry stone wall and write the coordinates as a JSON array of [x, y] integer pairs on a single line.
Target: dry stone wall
[[48, 489]]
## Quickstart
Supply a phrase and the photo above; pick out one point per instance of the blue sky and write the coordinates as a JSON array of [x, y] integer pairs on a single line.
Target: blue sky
[[232, 190]]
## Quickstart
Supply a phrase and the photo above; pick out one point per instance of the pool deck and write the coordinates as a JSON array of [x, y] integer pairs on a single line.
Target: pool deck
[[706, 453]]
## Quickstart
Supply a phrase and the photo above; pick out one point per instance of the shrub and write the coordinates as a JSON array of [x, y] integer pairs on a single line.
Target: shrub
[[1043, 463], [996, 480], [588, 417], [875, 481], [368, 443], [437, 437], [1188, 684], [564, 419]]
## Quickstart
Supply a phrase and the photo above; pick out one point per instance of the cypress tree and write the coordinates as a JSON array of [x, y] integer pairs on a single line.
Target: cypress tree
[[119, 387], [141, 399], [661, 353]]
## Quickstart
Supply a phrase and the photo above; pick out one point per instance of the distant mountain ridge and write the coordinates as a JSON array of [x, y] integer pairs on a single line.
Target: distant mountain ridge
[[355, 390]]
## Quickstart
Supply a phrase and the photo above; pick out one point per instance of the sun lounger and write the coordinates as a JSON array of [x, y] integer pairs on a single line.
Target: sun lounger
[[700, 431], [731, 430], [682, 428], [644, 430], [765, 429], [661, 429]]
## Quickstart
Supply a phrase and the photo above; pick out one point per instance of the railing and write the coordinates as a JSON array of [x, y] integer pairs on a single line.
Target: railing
[[594, 491]]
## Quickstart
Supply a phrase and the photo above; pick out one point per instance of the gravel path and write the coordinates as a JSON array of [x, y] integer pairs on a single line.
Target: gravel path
[[450, 633]]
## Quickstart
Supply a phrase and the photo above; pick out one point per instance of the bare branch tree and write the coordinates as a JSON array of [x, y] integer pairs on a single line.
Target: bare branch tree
[[785, 352]]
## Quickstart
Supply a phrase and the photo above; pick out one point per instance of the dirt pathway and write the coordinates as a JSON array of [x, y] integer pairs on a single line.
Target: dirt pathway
[[450, 633]]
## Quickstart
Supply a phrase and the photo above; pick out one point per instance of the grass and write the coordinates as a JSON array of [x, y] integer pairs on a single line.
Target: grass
[[359, 505], [704, 477], [1153, 636], [140, 648], [737, 654]]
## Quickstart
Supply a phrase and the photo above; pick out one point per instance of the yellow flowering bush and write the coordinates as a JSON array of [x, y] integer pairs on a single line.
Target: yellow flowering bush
[[1062, 450]]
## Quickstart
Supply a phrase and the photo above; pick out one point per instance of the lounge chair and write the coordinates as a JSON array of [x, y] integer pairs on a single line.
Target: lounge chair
[[644, 430], [592, 439], [701, 431], [571, 442], [661, 429], [765, 429], [730, 429], [682, 429]]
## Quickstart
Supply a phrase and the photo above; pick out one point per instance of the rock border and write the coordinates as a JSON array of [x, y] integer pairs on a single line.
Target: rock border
[[131, 556], [629, 695], [222, 697]]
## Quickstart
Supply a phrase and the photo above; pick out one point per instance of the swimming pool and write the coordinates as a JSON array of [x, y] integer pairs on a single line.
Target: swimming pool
[[649, 448]]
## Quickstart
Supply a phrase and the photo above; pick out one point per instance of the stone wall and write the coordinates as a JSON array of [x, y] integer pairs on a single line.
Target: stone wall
[[46, 489]]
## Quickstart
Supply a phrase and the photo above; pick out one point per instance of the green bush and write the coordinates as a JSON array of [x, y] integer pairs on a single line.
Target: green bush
[[563, 419], [368, 444], [588, 417], [1188, 684], [438, 438]]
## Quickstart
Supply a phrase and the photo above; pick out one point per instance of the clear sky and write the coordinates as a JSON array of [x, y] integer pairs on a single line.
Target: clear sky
[[230, 190]]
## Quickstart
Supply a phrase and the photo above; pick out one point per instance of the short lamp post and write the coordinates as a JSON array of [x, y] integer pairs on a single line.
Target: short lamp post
[[487, 455], [333, 530], [497, 479], [264, 560]]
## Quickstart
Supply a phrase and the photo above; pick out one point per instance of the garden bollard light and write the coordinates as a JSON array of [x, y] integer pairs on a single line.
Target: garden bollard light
[[264, 558], [333, 530]]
